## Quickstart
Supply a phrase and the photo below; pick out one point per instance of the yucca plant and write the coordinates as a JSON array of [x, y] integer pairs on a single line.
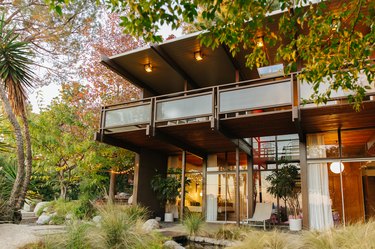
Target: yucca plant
[[15, 78]]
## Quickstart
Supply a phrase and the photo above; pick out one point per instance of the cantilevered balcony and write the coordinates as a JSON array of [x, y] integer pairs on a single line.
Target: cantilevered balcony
[[208, 119]]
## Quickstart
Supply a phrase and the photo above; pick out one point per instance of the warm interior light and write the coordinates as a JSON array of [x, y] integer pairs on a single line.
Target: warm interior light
[[337, 167], [198, 55], [259, 41], [148, 68]]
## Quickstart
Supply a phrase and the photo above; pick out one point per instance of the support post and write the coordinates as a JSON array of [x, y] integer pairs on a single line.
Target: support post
[[304, 184], [183, 169], [250, 187], [238, 186], [204, 186]]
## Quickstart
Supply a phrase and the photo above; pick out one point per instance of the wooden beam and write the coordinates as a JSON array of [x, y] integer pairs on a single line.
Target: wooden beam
[[159, 51], [126, 75], [178, 143], [239, 142], [116, 142]]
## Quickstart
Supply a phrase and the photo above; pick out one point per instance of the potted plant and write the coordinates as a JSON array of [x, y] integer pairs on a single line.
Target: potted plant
[[283, 186], [167, 188]]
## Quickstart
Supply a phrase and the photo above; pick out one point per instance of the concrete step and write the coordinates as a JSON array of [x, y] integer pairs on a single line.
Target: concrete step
[[28, 217], [29, 220]]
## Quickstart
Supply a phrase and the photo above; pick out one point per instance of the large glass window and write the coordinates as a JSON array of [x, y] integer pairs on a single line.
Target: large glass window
[[221, 187], [323, 145], [358, 143]]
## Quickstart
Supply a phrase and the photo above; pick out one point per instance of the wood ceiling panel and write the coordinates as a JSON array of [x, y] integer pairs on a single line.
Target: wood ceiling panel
[[338, 116], [200, 135], [265, 124]]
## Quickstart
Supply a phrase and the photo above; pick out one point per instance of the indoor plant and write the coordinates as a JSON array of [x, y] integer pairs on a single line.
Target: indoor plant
[[283, 186], [167, 188]]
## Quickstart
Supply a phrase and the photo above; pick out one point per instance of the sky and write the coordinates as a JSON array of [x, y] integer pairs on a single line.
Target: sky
[[42, 96]]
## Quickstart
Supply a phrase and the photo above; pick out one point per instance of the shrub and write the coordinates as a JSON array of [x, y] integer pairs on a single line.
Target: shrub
[[359, 235], [270, 240], [57, 220], [120, 227], [84, 209], [193, 223], [232, 233]]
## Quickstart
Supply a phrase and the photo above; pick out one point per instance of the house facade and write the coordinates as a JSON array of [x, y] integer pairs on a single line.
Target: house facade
[[228, 127]]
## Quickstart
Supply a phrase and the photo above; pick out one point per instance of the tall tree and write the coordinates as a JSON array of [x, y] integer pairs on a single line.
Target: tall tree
[[15, 75], [54, 40], [331, 39]]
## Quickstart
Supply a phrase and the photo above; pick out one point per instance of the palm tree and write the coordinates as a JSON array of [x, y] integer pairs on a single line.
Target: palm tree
[[15, 77]]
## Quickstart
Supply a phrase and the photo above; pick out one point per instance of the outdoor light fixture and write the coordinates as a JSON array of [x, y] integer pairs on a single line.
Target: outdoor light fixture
[[259, 41], [337, 167], [148, 68], [198, 55]]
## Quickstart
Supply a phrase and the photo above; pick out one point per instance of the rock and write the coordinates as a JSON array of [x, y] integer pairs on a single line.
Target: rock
[[172, 245], [43, 219], [26, 207], [158, 219], [68, 216], [40, 205], [150, 225], [122, 195], [97, 219]]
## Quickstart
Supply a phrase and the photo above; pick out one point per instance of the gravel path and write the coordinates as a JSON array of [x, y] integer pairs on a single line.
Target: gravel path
[[14, 236]]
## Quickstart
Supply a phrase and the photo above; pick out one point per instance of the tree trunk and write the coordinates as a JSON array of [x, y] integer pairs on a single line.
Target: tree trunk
[[62, 185], [13, 199], [112, 187], [29, 159]]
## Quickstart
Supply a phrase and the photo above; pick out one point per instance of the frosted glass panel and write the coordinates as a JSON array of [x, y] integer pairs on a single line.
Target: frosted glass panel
[[129, 115], [180, 108], [256, 97], [306, 89]]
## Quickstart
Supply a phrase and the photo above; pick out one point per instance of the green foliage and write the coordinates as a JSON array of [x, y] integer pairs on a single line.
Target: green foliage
[[331, 40], [85, 209], [283, 181], [193, 223], [8, 172], [57, 220], [166, 187]]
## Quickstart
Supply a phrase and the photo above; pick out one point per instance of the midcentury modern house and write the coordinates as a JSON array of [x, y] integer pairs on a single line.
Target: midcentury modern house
[[228, 127]]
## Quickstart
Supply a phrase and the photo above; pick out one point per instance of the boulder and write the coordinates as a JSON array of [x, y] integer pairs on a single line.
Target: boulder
[[40, 205], [172, 245], [43, 219], [150, 225]]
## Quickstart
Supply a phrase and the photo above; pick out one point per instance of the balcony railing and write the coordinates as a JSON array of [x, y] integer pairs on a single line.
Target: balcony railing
[[185, 107], [271, 94], [210, 104]]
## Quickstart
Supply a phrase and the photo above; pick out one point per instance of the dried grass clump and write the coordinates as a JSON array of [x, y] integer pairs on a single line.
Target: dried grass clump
[[268, 240], [358, 235]]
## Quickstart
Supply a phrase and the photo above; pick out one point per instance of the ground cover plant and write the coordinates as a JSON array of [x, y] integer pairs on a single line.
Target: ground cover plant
[[119, 227], [359, 235]]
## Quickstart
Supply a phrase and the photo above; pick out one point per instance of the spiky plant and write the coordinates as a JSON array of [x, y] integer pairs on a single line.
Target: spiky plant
[[15, 78]]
